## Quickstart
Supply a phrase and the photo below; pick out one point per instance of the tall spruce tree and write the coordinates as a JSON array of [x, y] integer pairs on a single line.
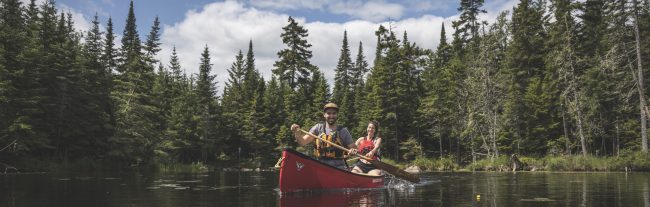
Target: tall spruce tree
[[208, 107], [342, 84], [467, 26], [293, 66], [357, 83], [295, 72], [233, 102], [342, 72], [96, 92], [254, 127], [152, 45], [136, 133], [274, 114], [109, 55]]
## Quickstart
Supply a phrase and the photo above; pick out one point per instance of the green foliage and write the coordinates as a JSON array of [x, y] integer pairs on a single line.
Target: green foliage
[[434, 164], [195, 167], [501, 163], [411, 149]]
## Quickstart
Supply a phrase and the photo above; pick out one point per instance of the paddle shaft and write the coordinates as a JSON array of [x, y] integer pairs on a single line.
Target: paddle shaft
[[332, 143]]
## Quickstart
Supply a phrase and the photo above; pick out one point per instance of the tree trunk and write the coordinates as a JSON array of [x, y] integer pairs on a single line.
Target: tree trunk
[[440, 136], [566, 132], [494, 136], [642, 104], [583, 142]]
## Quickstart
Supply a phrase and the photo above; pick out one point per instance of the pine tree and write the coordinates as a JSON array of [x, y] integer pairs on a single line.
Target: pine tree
[[109, 54], [293, 66], [295, 72], [181, 144], [136, 135], [152, 45], [274, 114], [342, 72], [562, 63], [342, 84], [443, 52], [208, 107], [525, 63], [392, 90], [96, 91], [234, 104], [254, 126], [181, 125], [467, 26]]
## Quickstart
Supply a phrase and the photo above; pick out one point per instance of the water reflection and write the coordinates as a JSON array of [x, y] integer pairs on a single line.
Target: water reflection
[[390, 195], [646, 194], [335, 198], [260, 189]]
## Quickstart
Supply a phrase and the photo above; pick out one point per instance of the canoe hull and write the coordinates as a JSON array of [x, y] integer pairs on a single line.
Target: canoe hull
[[300, 172]]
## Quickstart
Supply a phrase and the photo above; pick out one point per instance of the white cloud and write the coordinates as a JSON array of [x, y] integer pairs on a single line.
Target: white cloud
[[370, 10], [358, 9], [289, 4]]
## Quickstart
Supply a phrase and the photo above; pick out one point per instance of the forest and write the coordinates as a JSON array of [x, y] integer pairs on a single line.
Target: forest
[[549, 78]]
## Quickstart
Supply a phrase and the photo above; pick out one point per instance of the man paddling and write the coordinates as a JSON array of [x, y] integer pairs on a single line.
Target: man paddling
[[330, 132]]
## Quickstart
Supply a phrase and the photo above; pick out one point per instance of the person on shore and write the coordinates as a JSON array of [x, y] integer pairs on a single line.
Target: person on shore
[[368, 146], [329, 131]]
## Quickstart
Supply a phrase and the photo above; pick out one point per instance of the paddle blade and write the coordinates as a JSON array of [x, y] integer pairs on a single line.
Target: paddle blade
[[396, 171]]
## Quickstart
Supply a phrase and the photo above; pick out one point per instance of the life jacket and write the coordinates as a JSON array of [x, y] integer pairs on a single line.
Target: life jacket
[[366, 146], [324, 149]]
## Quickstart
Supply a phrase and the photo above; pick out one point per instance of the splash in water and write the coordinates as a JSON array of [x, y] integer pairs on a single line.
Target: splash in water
[[400, 184]]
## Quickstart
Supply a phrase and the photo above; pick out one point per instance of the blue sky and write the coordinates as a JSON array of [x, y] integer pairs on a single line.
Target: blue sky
[[227, 26]]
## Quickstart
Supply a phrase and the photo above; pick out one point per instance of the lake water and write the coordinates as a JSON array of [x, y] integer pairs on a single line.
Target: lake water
[[260, 189]]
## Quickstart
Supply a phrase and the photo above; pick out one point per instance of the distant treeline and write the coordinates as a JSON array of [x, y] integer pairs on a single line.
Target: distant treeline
[[552, 77]]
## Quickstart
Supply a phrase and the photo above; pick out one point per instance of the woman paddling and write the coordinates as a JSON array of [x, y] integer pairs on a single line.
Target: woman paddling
[[368, 146]]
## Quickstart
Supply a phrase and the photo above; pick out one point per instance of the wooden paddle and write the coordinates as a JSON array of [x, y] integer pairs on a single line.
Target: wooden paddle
[[378, 164]]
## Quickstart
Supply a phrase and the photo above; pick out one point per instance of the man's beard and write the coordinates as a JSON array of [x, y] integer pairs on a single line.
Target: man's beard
[[331, 121]]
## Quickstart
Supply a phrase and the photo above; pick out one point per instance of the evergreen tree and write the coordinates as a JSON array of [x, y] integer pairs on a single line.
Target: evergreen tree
[[96, 93], [109, 54], [342, 72], [293, 66], [136, 135], [467, 26], [234, 104], [342, 84], [525, 64], [274, 115], [295, 73], [357, 82], [562, 63], [152, 45], [254, 126], [208, 108], [181, 143], [17, 121]]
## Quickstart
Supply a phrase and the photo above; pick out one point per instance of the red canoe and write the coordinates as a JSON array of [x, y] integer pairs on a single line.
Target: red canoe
[[301, 172]]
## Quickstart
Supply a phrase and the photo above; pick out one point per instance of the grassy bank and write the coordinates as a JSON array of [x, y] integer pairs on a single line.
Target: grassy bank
[[631, 161]]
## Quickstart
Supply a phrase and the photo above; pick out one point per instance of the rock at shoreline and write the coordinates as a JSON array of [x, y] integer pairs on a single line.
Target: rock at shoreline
[[413, 169]]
